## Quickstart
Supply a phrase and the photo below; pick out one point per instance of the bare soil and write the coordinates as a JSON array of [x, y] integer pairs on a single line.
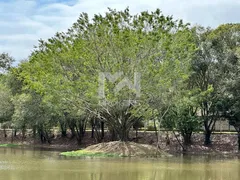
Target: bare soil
[[124, 149]]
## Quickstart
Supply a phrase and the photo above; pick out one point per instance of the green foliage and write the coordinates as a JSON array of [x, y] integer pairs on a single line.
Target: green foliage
[[183, 115], [214, 67], [6, 105], [65, 69], [5, 62], [85, 153], [9, 145]]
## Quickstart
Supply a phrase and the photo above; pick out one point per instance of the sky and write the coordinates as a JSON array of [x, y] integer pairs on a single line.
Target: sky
[[24, 22]]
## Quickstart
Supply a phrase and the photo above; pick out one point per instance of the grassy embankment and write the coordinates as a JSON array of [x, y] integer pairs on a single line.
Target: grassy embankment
[[9, 145], [86, 153]]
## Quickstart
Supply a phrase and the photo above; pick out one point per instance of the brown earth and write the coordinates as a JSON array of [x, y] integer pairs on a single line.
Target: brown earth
[[224, 143], [126, 149]]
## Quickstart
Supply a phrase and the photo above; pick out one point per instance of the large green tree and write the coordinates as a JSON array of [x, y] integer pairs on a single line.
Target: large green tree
[[227, 41], [72, 68], [212, 66]]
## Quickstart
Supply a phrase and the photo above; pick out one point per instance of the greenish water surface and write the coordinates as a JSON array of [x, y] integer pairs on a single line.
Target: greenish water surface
[[42, 164]]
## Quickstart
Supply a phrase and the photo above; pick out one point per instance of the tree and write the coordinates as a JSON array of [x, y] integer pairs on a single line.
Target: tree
[[32, 112], [183, 117], [5, 62], [68, 66], [227, 37], [6, 105], [212, 67]]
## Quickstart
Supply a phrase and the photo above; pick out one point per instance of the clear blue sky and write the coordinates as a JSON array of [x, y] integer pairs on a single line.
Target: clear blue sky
[[23, 22]]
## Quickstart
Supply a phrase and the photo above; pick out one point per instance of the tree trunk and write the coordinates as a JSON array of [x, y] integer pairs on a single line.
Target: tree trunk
[[64, 133], [123, 132], [124, 136], [179, 142], [12, 135], [73, 132], [155, 129], [207, 140], [92, 134], [238, 141], [136, 134], [187, 139], [113, 135], [83, 129], [102, 129], [5, 132], [23, 133], [46, 135], [63, 129], [79, 136], [42, 137], [167, 139]]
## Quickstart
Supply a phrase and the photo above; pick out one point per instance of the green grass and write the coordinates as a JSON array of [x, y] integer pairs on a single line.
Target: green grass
[[84, 153], [9, 145]]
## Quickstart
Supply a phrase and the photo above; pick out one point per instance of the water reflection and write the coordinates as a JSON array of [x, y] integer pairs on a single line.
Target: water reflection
[[28, 164]]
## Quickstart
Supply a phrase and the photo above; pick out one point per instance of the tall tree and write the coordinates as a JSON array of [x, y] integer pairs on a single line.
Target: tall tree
[[227, 39], [74, 67], [212, 67]]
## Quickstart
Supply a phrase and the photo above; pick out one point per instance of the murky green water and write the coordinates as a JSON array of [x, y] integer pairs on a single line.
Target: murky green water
[[29, 164]]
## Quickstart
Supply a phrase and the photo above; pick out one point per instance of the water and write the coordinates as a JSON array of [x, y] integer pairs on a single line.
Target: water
[[30, 164]]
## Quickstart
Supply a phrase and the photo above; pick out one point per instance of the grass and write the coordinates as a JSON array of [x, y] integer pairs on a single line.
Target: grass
[[85, 153], [9, 145]]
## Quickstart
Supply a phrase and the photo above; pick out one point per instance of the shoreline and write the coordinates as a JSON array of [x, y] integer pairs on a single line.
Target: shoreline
[[222, 144]]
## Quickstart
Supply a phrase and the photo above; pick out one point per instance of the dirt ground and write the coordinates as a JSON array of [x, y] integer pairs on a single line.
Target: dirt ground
[[224, 143]]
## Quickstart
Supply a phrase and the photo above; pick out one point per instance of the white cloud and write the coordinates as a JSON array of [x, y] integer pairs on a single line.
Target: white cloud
[[23, 22]]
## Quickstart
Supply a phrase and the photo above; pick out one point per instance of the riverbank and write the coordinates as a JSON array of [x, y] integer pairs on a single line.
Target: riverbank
[[118, 149], [221, 143]]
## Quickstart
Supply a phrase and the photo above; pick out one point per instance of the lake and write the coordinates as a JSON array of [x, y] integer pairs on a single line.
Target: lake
[[36, 164]]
